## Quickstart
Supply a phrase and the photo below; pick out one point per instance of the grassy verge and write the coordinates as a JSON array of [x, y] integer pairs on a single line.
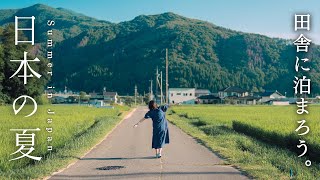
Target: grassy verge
[[256, 159], [73, 147], [289, 141]]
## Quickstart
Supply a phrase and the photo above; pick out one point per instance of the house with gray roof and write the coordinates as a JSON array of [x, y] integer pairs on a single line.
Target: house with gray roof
[[232, 91], [269, 95]]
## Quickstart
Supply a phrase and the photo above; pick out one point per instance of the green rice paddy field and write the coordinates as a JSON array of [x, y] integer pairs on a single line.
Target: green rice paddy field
[[75, 130], [260, 140]]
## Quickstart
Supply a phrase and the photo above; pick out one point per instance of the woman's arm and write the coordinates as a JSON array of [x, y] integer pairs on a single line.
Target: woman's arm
[[141, 120], [165, 107]]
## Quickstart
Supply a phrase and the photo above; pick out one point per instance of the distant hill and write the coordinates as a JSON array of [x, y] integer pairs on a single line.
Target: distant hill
[[69, 24], [91, 54]]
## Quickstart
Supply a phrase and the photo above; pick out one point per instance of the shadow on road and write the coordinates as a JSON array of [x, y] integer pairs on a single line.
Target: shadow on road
[[119, 158], [147, 174]]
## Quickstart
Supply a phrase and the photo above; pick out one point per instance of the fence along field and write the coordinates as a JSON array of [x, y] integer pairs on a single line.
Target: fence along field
[[273, 125], [75, 130]]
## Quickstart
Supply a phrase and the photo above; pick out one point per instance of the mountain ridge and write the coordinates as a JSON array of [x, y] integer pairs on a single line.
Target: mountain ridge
[[117, 56]]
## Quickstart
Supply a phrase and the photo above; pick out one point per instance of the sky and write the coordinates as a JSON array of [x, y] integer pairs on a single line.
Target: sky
[[274, 18]]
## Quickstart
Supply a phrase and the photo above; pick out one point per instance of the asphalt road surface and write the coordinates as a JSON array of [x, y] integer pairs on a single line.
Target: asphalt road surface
[[126, 154]]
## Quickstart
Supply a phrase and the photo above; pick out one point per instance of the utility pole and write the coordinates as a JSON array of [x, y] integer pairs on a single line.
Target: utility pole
[[161, 94], [167, 83], [135, 95], [151, 91], [157, 81]]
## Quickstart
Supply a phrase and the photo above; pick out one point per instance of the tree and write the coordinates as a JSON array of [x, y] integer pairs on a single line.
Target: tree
[[11, 88], [83, 96]]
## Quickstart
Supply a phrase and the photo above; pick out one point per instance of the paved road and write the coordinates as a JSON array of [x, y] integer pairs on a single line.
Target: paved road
[[130, 147]]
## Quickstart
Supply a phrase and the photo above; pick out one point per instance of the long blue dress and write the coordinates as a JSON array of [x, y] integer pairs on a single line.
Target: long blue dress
[[160, 135]]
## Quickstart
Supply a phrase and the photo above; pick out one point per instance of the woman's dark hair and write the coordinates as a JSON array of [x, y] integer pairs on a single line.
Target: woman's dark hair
[[152, 105]]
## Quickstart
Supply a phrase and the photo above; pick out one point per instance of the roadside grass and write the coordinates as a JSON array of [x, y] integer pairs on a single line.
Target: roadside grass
[[75, 131], [272, 124], [289, 141], [212, 126]]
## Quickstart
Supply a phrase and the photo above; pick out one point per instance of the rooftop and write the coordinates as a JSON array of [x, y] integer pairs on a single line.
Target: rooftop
[[268, 93], [209, 97], [203, 91], [233, 89], [109, 93], [181, 89]]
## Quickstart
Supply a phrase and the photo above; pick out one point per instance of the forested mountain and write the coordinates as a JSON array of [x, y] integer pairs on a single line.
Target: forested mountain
[[90, 54]]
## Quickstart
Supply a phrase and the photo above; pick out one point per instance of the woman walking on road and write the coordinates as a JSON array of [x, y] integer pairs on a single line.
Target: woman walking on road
[[160, 135]]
